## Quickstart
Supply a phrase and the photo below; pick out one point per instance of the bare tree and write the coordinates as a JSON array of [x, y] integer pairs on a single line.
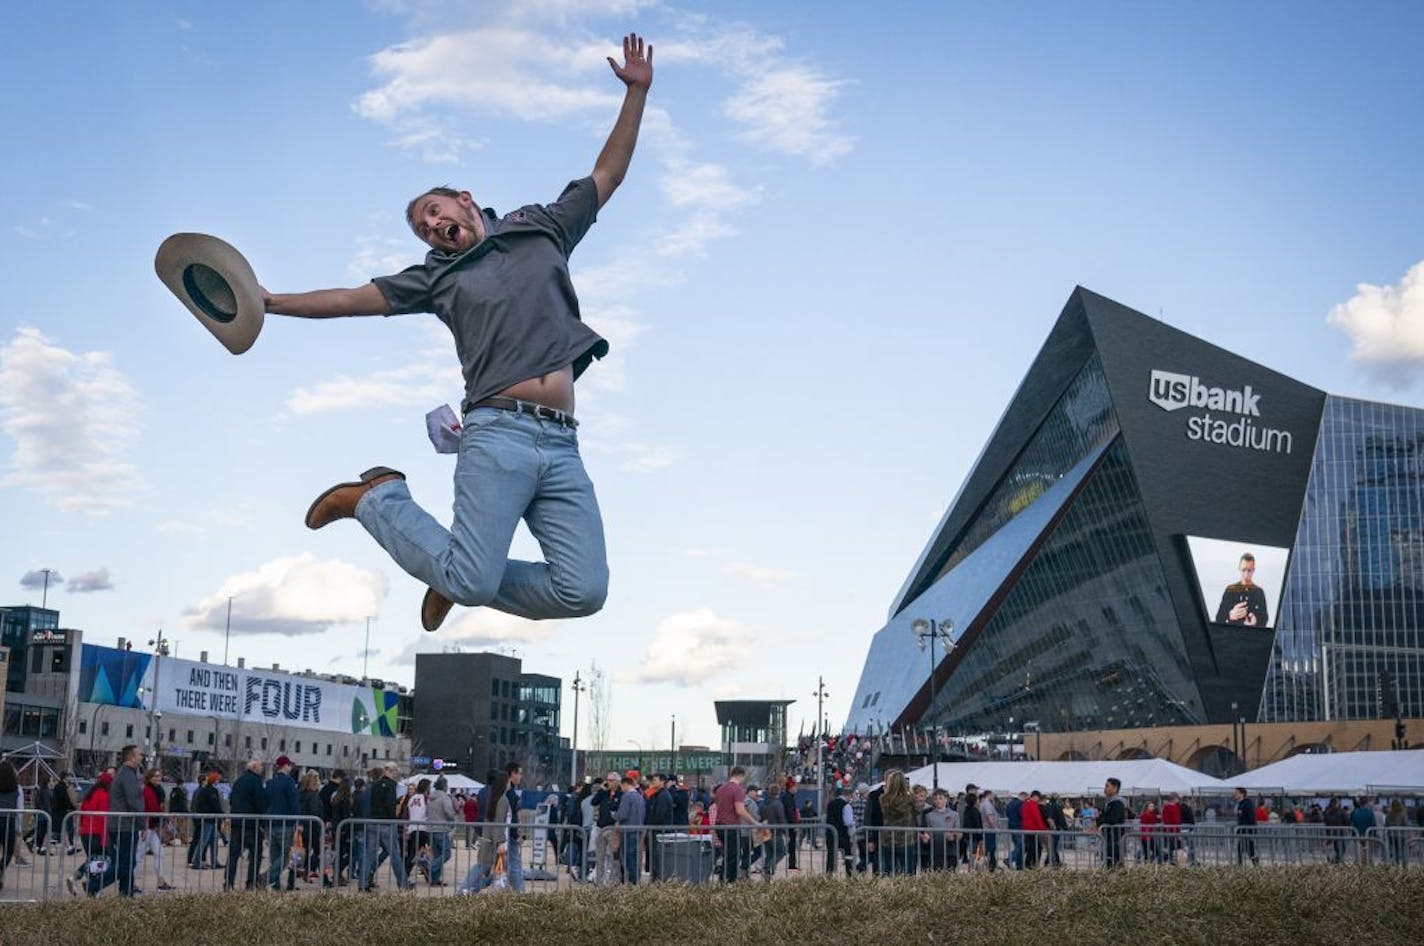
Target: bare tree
[[600, 708]]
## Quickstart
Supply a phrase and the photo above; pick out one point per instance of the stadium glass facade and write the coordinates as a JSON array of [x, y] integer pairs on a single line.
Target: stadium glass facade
[[1140, 489], [1351, 638]]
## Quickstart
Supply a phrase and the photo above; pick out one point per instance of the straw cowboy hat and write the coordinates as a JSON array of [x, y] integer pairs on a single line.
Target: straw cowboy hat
[[217, 285]]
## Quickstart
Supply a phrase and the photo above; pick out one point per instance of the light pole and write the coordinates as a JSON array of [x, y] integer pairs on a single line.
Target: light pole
[[227, 630], [672, 745], [820, 696], [366, 654], [933, 631], [579, 687], [93, 727], [640, 754], [160, 650]]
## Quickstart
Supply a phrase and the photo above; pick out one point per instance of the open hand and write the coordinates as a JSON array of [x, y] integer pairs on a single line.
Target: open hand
[[637, 70]]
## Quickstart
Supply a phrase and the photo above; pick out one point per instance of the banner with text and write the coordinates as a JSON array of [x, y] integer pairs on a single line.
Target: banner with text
[[170, 685]]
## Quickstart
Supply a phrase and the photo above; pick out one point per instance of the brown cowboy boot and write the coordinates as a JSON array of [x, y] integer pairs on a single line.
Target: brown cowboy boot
[[433, 609], [340, 501]]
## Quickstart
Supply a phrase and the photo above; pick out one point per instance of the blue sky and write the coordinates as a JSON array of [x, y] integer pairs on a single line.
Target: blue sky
[[844, 236]]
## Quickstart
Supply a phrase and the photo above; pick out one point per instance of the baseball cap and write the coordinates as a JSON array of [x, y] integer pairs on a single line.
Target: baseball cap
[[283, 760]]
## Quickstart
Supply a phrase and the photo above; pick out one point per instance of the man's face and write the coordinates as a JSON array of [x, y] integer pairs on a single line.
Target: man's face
[[516, 777], [449, 224], [1109, 789], [1248, 571]]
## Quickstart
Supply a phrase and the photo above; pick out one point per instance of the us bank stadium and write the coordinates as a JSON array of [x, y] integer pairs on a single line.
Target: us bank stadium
[[1167, 550]]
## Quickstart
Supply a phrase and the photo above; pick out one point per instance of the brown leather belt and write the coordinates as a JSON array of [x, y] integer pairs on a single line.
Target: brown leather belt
[[540, 411]]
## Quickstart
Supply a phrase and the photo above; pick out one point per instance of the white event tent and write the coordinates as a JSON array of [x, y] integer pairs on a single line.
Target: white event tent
[[1074, 779], [456, 783], [1353, 773]]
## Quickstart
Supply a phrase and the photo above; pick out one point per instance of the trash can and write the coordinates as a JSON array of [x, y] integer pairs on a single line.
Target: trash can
[[686, 857]]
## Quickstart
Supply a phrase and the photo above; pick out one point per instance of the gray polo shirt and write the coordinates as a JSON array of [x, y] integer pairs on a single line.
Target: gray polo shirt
[[508, 300]]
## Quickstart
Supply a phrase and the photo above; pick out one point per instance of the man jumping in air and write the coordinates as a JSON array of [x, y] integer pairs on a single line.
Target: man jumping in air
[[502, 286]]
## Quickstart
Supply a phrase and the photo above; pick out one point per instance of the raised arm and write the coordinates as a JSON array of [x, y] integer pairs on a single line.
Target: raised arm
[[328, 303], [637, 74]]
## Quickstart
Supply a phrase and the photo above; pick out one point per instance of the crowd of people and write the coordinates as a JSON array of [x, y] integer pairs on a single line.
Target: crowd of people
[[850, 758], [339, 831]]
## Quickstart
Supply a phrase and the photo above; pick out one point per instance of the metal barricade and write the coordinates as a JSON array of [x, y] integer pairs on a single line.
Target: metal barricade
[[1242, 845], [1400, 846], [700, 855], [24, 865], [894, 850], [430, 858], [444, 858], [144, 853]]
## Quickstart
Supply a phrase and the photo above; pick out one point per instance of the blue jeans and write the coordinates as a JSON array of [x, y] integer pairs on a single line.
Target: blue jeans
[[511, 467], [279, 845], [628, 850], [121, 865], [514, 865], [382, 838], [439, 854], [903, 859], [207, 844]]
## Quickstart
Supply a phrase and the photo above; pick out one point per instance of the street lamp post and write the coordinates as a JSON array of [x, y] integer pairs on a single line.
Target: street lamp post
[[160, 650], [227, 629], [820, 696], [579, 687], [640, 754], [932, 631]]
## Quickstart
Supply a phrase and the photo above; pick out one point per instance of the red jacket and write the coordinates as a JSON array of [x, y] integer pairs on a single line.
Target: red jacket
[[151, 804], [91, 825], [1172, 817], [1148, 821], [1032, 816], [472, 809]]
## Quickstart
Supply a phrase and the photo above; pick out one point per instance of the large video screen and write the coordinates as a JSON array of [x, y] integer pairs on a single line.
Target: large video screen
[[1240, 582]]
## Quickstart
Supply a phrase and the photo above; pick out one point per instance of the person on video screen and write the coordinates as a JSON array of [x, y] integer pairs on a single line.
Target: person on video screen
[[1243, 602]]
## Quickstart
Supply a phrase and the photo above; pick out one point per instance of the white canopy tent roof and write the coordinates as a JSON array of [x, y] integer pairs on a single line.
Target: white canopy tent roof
[[1353, 773], [1138, 777], [457, 783]]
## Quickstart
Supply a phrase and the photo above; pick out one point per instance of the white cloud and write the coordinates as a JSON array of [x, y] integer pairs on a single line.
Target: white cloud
[[692, 647], [481, 628], [705, 185], [759, 574], [1386, 324], [704, 553], [491, 70], [787, 110], [295, 595], [85, 582], [41, 578], [488, 626], [379, 255], [631, 455], [73, 420], [782, 104], [179, 527], [647, 457], [418, 385]]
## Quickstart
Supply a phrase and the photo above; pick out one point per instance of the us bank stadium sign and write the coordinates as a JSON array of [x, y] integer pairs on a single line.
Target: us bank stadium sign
[[1226, 416]]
